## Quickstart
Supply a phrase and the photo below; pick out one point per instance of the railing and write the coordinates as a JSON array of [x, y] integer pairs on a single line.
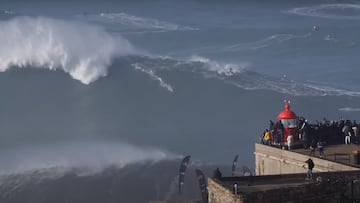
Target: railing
[[342, 157]]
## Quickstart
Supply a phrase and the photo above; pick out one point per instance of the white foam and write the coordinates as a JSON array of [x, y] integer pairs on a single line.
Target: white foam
[[246, 79], [154, 77], [249, 46], [241, 75], [139, 22], [290, 87], [84, 51], [9, 12], [321, 11], [89, 156], [349, 109], [226, 69], [268, 41], [331, 90]]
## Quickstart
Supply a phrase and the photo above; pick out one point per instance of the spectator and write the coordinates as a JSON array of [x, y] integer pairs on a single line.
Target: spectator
[[356, 133], [267, 137], [311, 165], [290, 139], [347, 133], [312, 148], [320, 146]]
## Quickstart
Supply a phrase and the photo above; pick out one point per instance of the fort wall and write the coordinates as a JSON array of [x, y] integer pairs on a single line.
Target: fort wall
[[271, 160]]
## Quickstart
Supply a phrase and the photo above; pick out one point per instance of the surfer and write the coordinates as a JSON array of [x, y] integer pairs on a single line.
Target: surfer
[[231, 72], [327, 37], [9, 12], [316, 28]]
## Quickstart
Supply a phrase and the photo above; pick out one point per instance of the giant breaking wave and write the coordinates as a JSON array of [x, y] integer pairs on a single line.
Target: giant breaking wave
[[82, 50]]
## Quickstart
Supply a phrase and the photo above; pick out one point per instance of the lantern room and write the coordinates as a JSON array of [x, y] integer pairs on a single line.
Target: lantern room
[[289, 121]]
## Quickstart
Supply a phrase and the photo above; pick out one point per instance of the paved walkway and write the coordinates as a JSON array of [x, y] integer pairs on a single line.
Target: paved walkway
[[340, 153]]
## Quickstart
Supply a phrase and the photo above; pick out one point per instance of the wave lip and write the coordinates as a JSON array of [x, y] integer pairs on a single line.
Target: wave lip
[[324, 11], [84, 51]]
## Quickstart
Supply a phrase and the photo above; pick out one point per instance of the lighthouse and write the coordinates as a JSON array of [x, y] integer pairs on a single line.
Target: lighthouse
[[289, 121]]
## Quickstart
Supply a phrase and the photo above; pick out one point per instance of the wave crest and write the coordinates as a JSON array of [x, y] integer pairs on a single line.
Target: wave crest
[[84, 51]]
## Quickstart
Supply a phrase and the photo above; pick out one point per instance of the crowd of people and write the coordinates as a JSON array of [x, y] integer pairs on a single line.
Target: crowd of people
[[273, 135], [314, 136]]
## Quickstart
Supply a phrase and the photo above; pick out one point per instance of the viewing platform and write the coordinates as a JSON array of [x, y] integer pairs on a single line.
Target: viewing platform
[[281, 177], [348, 154], [327, 187]]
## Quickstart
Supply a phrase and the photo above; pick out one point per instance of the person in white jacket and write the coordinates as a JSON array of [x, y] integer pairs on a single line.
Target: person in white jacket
[[290, 141]]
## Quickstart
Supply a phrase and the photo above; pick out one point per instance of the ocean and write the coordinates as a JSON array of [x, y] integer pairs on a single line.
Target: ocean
[[101, 100]]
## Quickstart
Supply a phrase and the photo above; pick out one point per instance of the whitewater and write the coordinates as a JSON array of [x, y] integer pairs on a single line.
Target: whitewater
[[110, 96]]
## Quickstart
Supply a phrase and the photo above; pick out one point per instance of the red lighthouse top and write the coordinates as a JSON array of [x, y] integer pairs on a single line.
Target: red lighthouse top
[[287, 113]]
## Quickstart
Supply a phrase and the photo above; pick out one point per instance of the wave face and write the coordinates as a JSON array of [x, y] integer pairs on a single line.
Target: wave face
[[133, 183], [84, 51]]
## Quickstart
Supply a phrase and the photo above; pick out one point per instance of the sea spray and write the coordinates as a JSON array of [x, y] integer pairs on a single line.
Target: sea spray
[[89, 156], [82, 50]]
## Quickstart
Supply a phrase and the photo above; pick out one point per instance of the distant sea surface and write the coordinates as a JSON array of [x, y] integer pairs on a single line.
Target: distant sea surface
[[110, 96]]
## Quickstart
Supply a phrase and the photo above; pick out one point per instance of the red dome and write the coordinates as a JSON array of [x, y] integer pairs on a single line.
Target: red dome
[[287, 113]]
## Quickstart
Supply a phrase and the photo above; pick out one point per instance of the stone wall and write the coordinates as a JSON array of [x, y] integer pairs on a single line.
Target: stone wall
[[270, 160], [218, 193], [333, 187], [304, 193]]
